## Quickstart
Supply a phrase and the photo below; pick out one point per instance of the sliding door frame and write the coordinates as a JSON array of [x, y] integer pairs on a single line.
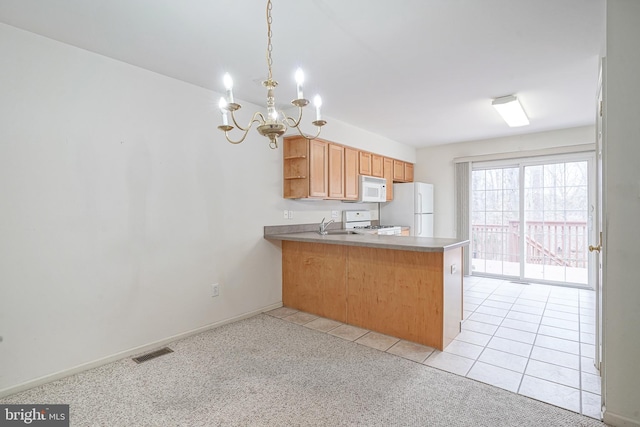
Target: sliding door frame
[[523, 162]]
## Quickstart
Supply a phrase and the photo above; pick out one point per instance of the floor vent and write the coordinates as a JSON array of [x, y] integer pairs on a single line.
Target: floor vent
[[520, 283], [152, 355]]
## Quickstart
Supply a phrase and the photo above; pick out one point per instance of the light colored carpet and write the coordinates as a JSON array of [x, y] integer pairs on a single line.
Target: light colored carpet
[[264, 371]]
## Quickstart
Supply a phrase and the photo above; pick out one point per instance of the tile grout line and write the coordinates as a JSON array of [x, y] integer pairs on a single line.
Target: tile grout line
[[580, 352], [535, 338], [492, 335], [533, 345]]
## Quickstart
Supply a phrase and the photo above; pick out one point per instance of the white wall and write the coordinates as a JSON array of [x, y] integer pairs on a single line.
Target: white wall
[[120, 204], [621, 291], [435, 164], [359, 138]]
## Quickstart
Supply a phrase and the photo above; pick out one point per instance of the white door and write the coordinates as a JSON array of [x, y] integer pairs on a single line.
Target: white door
[[597, 248]]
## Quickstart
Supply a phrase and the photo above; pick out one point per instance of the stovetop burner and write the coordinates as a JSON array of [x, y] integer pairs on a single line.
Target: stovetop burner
[[361, 221]]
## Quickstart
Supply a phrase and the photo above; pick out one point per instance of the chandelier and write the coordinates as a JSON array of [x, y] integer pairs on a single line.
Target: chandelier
[[275, 123]]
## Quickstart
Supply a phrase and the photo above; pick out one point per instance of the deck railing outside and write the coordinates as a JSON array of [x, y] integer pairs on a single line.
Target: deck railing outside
[[561, 243]]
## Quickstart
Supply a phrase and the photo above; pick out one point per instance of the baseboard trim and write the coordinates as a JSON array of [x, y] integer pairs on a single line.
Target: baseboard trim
[[128, 353], [618, 420]]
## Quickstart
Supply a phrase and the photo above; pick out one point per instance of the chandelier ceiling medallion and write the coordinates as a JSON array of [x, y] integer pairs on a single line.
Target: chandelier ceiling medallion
[[275, 123]]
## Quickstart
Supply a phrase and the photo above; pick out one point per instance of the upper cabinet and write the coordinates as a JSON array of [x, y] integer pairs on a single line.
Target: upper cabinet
[[305, 168], [336, 171], [402, 171], [351, 173], [325, 170], [365, 163], [398, 171], [295, 154], [408, 172], [318, 168], [370, 164], [387, 168], [377, 166]]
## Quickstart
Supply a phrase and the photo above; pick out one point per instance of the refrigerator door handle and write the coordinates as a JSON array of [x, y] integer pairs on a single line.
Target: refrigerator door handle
[[419, 203], [419, 228]]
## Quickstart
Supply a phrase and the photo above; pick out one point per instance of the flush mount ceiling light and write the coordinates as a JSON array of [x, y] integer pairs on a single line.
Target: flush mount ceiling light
[[511, 111], [275, 123]]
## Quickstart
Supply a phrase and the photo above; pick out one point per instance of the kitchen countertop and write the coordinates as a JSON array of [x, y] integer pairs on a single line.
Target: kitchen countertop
[[404, 243]]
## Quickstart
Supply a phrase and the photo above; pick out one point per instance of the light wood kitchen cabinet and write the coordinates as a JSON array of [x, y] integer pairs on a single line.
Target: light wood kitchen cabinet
[[295, 152], [318, 168], [305, 168], [350, 173], [398, 171], [402, 171], [336, 170], [321, 169], [365, 163], [377, 166], [408, 172], [387, 169]]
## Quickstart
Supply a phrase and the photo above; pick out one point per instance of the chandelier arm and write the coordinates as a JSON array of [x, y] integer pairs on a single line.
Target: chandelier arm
[[291, 121], [244, 135], [304, 135], [257, 117]]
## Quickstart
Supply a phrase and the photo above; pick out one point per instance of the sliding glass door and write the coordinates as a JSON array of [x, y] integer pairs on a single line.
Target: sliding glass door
[[530, 220], [494, 220], [556, 220]]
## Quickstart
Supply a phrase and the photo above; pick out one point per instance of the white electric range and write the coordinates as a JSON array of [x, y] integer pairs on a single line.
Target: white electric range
[[361, 221]]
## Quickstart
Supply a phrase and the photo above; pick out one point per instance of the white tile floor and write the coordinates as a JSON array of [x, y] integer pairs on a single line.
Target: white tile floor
[[534, 340]]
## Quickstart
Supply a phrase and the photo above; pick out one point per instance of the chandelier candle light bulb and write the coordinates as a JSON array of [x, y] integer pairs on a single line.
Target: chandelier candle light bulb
[[317, 102], [299, 81], [228, 85], [222, 104], [275, 123]]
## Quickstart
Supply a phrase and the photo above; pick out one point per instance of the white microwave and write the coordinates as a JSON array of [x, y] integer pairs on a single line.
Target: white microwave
[[372, 189]]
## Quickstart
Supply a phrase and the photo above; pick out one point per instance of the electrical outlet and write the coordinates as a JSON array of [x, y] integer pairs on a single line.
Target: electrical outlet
[[334, 214], [215, 290], [286, 214], [290, 214], [454, 268]]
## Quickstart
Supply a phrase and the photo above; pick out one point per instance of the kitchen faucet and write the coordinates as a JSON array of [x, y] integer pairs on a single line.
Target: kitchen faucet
[[323, 226]]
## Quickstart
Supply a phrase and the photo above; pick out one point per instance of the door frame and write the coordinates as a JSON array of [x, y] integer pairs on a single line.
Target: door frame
[[521, 163], [600, 209]]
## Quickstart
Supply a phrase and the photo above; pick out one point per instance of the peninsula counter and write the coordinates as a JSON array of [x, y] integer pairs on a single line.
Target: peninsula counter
[[406, 287]]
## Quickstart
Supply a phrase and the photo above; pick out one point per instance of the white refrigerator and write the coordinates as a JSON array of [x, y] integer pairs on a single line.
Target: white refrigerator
[[412, 205]]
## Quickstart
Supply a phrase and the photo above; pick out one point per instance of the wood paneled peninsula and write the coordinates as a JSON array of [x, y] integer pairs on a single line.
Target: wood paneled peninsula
[[406, 287]]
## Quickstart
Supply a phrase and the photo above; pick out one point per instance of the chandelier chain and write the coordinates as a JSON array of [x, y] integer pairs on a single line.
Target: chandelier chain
[[269, 33]]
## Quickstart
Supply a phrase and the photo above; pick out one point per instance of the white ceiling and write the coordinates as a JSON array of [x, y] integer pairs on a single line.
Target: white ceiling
[[421, 72]]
